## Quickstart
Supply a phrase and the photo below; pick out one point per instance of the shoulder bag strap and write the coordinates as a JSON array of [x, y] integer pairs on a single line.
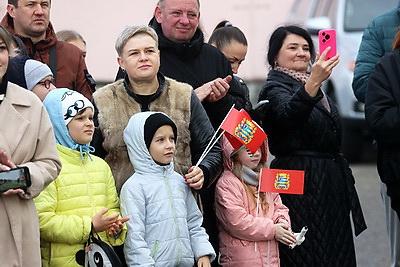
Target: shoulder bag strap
[[53, 61]]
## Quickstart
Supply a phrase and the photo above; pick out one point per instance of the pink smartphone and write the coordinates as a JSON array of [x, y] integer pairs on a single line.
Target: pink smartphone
[[327, 38]]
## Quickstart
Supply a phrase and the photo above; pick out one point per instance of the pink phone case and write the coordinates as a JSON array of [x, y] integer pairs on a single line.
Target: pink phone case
[[327, 38]]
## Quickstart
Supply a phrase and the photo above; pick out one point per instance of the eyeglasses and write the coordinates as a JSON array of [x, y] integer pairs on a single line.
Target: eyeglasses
[[46, 83]]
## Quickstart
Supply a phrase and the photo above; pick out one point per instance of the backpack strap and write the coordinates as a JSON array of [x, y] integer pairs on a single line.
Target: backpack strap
[[53, 61]]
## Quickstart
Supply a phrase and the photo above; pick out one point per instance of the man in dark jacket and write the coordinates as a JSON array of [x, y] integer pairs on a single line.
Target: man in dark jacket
[[30, 21], [376, 41], [185, 57]]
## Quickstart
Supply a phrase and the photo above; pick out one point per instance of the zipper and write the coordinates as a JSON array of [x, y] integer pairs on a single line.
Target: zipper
[[173, 210]]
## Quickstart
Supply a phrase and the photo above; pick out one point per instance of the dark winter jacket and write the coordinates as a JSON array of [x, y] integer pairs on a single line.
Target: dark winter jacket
[[246, 93], [383, 118], [71, 66], [303, 135], [376, 41], [197, 63]]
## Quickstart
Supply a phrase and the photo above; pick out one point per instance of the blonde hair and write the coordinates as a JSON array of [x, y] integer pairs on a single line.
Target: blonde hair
[[130, 32], [69, 35], [238, 171]]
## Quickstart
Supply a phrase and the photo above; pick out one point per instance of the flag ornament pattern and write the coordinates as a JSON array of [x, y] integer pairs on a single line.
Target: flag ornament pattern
[[245, 131], [282, 181], [241, 130]]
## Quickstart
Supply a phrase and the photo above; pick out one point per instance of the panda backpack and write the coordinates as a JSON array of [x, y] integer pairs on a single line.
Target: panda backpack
[[97, 254]]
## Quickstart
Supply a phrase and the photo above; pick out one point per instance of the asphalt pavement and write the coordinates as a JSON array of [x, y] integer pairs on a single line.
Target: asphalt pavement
[[372, 246]]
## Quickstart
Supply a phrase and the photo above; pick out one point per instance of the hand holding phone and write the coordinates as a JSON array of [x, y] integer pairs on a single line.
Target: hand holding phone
[[327, 38], [17, 178]]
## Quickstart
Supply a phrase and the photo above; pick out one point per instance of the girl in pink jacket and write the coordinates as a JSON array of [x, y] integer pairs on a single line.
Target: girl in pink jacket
[[248, 237]]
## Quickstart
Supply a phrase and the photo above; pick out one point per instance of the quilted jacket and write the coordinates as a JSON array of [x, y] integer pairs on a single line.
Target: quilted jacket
[[66, 207], [376, 41], [303, 135], [165, 226]]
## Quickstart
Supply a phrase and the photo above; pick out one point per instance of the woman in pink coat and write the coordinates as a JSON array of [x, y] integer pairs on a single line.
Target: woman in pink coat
[[248, 237]]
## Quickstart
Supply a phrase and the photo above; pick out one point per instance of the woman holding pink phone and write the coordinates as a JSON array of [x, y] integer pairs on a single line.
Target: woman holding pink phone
[[304, 133]]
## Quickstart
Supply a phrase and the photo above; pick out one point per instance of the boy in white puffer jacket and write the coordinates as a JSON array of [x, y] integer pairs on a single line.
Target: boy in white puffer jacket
[[166, 230]]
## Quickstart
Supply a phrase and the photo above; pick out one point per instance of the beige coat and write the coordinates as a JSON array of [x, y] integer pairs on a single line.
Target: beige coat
[[26, 135]]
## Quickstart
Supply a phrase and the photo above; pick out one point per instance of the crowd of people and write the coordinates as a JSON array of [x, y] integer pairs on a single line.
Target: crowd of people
[[125, 161]]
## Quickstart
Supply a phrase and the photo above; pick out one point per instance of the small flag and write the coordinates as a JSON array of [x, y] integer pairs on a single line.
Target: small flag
[[240, 130], [282, 181]]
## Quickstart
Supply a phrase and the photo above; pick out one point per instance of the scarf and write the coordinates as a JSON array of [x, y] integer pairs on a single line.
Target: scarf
[[250, 176], [303, 77]]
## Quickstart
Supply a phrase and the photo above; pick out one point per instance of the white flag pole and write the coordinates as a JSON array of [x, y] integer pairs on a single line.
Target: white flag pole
[[258, 201], [212, 141], [208, 149]]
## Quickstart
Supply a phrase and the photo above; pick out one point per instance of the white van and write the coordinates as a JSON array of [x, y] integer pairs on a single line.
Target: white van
[[349, 18]]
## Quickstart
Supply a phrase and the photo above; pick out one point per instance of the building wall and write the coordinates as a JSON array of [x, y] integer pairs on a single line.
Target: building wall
[[100, 22]]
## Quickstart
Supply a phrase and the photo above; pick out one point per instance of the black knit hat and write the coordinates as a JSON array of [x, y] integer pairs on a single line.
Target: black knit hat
[[154, 122]]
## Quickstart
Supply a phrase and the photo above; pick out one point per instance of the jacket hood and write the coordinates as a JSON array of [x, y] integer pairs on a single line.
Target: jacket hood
[[138, 153], [50, 39], [184, 50], [227, 149], [54, 107]]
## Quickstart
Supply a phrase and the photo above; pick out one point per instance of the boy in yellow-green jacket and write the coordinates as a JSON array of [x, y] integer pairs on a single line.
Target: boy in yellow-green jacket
[[83, 198]]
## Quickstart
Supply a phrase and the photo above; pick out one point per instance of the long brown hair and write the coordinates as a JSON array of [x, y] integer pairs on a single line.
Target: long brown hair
[[238, 171]]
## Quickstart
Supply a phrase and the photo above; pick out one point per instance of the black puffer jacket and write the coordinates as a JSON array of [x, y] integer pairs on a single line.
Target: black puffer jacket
[[383, 118], [303, 135]]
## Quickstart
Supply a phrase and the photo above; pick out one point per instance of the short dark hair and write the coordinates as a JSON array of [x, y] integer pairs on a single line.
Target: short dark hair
[[279, 35], [13, 2], [224, 33]]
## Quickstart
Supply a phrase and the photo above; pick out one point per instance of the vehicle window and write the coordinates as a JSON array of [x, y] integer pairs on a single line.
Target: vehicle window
[[332, 11], [300, 10], [358, 13], [321, 8]]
